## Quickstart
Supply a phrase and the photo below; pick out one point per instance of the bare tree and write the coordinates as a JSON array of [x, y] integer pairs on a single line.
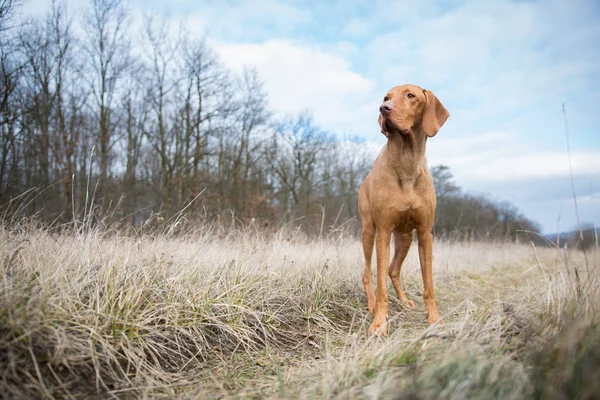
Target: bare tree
[[351, 165], [163, 78], [246, 138], [208, 104], [7, 9], [295, 154], [10, 72], [66, 139], [135, 113], [49, 111], [108, 50]]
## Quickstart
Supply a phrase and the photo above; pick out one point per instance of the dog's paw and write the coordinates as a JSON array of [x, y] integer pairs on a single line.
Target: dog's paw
[[378, 328], [434, 317], [408, 303]]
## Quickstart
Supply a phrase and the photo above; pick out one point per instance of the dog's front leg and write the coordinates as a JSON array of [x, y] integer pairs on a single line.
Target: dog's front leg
[[425, 248], [382, 242]]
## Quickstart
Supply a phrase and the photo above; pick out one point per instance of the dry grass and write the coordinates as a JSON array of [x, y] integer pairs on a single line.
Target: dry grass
[[248, 315]]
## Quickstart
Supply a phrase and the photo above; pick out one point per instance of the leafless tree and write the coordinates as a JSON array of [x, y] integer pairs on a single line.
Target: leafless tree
[[108, 51], [297, 151], [162, 81], [10, 72], [209, 104]]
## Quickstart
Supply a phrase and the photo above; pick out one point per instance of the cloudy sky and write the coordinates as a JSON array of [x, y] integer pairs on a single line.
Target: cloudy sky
[[502, 68]]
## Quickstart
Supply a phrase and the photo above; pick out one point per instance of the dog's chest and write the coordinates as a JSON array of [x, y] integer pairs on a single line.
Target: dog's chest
[[403, 209]]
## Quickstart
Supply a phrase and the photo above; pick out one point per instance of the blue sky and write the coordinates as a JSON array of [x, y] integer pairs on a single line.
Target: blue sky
[[502, 68]]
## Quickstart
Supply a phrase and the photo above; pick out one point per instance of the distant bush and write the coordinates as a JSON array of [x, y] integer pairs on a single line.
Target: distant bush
[[585, 238]]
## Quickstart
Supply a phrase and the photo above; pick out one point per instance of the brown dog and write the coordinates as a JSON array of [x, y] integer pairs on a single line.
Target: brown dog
[[398, 196]]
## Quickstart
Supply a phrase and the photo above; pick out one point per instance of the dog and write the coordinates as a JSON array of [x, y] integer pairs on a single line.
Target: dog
[[398, 197]]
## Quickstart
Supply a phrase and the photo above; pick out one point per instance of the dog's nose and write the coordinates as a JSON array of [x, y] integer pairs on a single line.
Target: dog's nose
[[386, 107]]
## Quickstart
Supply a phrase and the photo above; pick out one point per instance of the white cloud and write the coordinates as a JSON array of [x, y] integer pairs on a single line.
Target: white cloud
[[300, 77], [501, 157]]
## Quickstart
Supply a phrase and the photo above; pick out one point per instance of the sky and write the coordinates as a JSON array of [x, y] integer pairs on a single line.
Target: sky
[[502, 68]]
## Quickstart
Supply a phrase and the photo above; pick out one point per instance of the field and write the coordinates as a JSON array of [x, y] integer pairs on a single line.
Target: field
[[225, 313]]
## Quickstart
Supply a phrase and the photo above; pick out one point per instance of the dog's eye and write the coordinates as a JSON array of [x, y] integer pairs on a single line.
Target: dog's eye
[[386, 98], [410, 96]]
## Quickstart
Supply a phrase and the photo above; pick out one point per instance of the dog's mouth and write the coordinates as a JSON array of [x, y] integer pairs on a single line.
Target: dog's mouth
[[391, 127]]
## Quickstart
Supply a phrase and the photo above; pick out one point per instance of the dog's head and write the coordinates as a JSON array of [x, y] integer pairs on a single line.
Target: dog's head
[[410, 107]]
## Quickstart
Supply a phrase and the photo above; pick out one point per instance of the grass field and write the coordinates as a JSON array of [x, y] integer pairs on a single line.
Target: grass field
[[243, 314]]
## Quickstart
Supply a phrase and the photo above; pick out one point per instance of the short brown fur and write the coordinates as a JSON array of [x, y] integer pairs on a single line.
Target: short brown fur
[[398, 197]]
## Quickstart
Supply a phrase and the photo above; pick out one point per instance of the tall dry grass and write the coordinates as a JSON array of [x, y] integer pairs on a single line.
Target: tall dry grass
[[244, 314]]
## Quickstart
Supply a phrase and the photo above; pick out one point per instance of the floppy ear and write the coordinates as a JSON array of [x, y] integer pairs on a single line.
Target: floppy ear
[[434, 115], [387, 134]]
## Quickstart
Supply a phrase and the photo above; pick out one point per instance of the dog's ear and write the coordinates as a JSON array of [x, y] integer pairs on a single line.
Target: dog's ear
[[434, 115], [387, 134]]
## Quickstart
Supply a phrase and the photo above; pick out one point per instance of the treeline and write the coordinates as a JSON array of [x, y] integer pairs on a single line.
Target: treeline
[[98, 119], [584, 237], [148, 126]]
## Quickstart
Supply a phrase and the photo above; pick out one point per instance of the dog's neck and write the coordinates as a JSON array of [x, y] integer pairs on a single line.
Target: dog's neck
[[406, 154]]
